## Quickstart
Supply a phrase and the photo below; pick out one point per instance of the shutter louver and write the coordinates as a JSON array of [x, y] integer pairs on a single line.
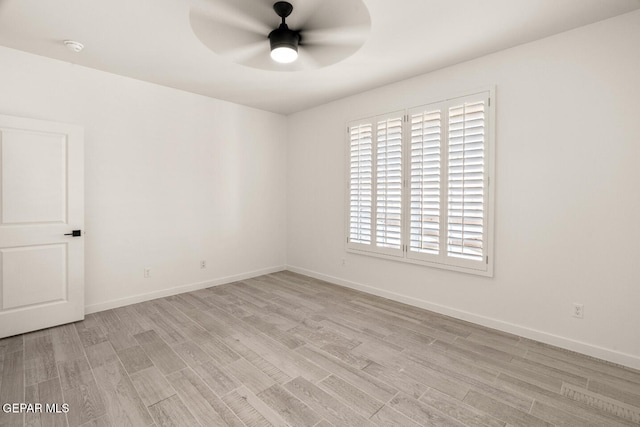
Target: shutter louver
[[361, 183], [389, 183], [466, 166], [425, 181]]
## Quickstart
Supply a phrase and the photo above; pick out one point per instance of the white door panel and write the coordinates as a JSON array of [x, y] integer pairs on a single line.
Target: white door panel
[[41, 200], [24, 285], [34, 177]]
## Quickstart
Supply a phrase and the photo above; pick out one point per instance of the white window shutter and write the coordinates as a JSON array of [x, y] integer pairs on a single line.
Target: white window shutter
[[419, 190], [360, 183], [425, 180], [466, 180], [389, 183]]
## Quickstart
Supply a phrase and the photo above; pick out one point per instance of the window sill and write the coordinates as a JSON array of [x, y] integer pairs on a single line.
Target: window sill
[[486, 272]]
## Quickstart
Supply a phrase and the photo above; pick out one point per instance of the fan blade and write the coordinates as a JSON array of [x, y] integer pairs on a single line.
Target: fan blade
[[245, 54], [246, 14], [262, 61], [321, 14], [222, 37], [325, 55], [306, 60], [329, 37], [336, 36]]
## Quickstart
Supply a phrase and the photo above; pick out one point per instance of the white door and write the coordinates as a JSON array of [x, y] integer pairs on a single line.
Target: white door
[[41, 201]]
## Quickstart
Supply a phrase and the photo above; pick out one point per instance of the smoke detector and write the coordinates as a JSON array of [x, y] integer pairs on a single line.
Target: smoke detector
[[73, 45]]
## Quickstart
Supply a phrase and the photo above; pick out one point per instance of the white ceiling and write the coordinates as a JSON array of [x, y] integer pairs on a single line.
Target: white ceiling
[[153, 40]]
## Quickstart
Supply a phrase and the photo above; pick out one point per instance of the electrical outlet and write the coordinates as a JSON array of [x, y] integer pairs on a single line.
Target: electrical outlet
[[203, 264], [578, 310], [344, 262], [147, 272]]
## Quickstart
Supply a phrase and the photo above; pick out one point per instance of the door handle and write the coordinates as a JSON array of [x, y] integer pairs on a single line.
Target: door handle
[[74, 233]]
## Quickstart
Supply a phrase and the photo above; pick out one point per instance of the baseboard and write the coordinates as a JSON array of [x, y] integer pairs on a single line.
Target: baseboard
[[94, 308], [602, 353]]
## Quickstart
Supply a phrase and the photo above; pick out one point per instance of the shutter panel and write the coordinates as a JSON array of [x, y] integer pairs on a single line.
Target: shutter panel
[[425, 181], [360, 183], [466, 170], [389, 183]]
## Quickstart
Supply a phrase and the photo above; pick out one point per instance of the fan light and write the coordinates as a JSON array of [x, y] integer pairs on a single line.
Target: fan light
[[284, 55], [284, 42]]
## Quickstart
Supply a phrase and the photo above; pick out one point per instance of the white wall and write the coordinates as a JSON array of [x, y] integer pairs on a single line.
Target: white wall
[[171, 178], [567, 192]]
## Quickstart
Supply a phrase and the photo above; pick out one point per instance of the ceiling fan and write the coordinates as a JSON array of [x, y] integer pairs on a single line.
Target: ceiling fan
[[288, 36], [284, 42]]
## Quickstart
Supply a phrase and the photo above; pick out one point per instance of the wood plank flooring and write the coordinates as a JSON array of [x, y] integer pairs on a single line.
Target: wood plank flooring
[[288, 350]]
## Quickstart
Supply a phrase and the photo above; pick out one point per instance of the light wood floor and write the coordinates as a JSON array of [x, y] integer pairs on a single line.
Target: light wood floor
[[285, 349]]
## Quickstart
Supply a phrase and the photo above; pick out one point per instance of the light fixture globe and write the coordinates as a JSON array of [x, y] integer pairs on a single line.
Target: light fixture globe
[[284, 42], [284, 55]]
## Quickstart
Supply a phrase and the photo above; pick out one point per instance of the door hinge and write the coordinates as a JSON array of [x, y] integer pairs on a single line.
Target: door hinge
[[489, 102], [487, 261]]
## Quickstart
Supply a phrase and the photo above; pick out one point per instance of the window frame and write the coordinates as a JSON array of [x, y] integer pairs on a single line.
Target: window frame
[[442, 260]]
